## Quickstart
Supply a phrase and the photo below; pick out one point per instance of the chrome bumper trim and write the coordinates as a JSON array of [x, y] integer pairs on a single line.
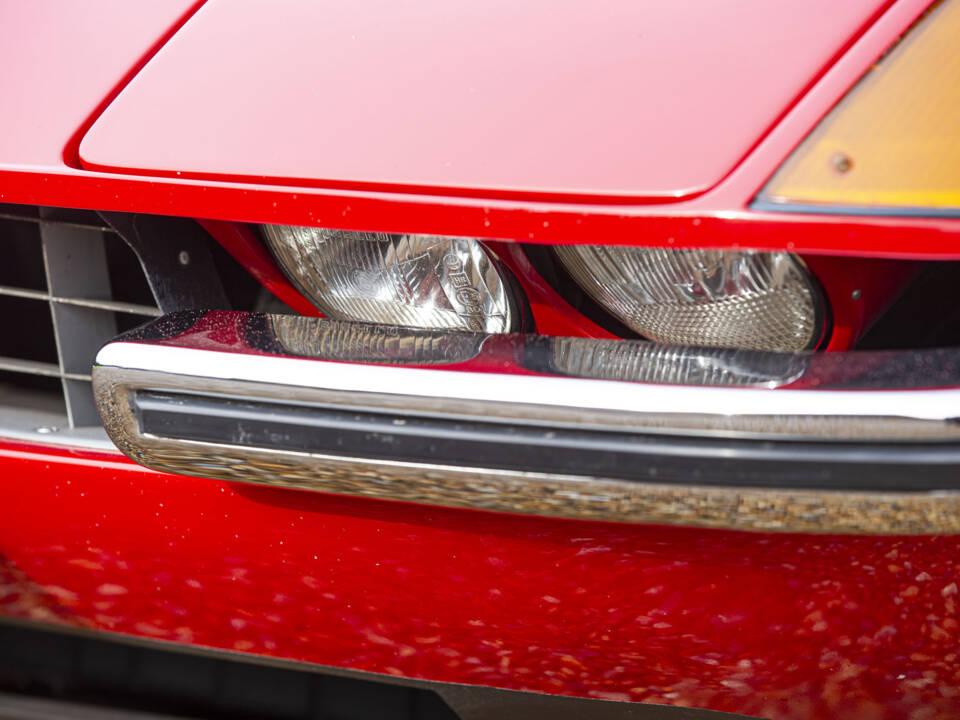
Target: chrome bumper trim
[[226, 395]]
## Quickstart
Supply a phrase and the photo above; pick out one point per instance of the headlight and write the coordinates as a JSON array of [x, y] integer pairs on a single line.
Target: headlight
[[761, 301], [420, 281]]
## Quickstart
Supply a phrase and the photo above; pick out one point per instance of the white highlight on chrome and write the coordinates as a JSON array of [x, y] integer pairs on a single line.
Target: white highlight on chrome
[[588, 394]]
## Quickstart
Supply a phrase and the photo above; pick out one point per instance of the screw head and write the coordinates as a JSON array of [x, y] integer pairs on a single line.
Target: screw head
[[184, 257], [841, 162], [855, 295]]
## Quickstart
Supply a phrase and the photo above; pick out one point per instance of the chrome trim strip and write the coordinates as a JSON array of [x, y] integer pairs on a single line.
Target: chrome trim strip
[[584, 498], [184, 355], [431, 387]]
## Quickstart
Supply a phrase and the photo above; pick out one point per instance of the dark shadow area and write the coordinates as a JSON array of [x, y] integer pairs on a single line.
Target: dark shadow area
[[98, 672]]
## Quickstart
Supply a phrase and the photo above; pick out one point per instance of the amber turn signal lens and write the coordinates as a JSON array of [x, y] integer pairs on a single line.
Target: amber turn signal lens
[[894, 141]]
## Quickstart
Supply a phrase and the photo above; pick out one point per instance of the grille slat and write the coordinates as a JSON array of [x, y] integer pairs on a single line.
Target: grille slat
[[32, 367], [111, 305], [69, 261]]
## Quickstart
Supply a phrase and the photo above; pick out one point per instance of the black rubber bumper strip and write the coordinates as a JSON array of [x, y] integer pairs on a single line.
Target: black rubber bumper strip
[[504, 446]]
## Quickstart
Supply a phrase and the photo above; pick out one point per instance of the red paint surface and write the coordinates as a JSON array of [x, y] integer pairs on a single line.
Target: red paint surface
[[773, 625], [552, 314], [782, 626], [550, 97], [62, 60], [718, 218]]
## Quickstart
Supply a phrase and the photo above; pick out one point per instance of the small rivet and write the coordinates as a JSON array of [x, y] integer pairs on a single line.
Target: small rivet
[[184, 257], [841, 162], [47, 429], [855, 295]]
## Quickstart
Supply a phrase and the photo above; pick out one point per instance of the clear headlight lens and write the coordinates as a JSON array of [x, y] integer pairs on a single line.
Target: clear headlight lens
[[760, 301], [420, 281]]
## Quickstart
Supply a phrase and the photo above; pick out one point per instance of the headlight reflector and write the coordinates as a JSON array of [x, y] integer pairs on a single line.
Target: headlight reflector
[[743, 299], [423, 281]]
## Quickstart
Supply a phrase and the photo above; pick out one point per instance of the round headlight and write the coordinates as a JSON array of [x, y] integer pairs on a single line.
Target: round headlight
[[718, 298], [421, 281]]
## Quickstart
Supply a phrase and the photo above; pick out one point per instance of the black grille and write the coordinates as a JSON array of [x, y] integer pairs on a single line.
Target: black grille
[[68, 284]]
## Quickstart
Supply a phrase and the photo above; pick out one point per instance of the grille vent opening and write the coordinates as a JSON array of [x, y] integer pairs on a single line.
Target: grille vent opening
[[68, 284]]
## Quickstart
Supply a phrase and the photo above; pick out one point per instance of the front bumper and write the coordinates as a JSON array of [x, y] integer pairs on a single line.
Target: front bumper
[[618, 431]]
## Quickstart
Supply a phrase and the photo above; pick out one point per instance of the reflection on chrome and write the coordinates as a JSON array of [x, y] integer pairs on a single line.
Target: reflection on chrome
[[334, 340], [638, 361]]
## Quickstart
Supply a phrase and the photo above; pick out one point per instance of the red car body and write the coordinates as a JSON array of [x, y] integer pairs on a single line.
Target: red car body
[[216, 110]]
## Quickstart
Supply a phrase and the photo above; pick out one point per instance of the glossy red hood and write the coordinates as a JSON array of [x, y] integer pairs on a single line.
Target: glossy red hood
[[615, 99], [63, 62]]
